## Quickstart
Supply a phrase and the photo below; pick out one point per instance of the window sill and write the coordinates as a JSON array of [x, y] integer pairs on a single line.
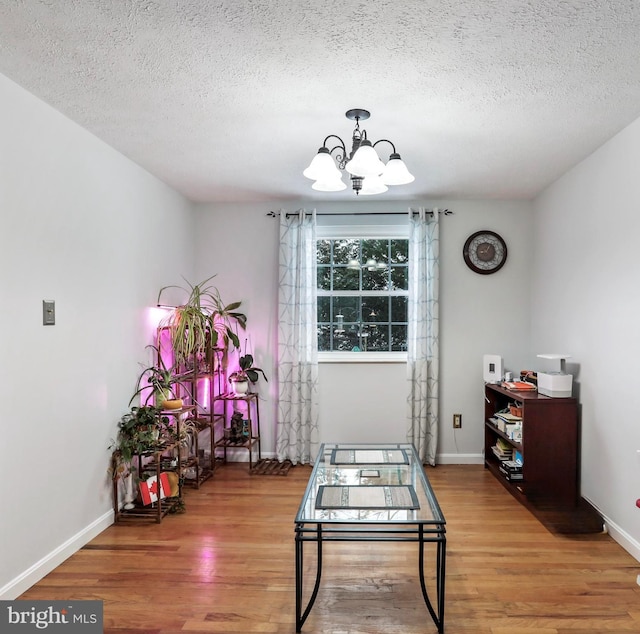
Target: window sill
[[362, 357]]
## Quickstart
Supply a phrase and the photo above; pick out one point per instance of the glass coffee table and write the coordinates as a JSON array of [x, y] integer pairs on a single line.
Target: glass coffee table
[[370, 492]]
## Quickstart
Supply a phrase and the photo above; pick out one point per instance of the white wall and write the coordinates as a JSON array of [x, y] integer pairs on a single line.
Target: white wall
[[585, 302], [479, 314], [84, 226]]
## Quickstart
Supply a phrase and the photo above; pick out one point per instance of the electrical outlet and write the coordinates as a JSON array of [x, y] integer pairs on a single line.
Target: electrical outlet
[[457, 421]]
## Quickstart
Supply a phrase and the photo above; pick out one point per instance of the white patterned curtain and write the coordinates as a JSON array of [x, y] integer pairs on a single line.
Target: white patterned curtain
[[423, 333], [297, 424]]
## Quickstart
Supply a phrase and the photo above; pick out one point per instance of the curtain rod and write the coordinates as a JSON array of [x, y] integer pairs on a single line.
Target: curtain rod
[[444, 212]]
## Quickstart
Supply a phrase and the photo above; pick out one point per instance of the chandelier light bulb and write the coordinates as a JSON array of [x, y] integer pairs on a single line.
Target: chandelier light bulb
[[396, 172], [373, 185], [365, 161], [322, 167], [330, 185]]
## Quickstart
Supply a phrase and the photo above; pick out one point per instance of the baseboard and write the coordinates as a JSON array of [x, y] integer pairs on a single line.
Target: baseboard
[[23, 582], [631, 545], [242, 455], [460, 458]]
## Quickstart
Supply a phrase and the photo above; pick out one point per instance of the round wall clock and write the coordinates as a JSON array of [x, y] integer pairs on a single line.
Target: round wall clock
[[485, 252]]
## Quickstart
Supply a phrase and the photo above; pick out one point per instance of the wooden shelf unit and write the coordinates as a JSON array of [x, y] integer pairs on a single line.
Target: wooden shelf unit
[[550, 449], [252, 411], [151, 461], [201, 381]]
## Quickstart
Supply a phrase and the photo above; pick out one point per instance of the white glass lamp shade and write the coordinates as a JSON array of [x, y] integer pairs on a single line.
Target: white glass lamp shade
[[330, 185], [365, 161], [396, 172], [372, 185], [322, 167]]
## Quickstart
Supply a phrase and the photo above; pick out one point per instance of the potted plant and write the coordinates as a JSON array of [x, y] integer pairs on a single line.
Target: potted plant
[[247, 373], [139, 431], [162, 381], [202, 322]]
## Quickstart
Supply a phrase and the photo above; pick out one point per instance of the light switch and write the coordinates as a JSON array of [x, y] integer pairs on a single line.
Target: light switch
[[48, 312]]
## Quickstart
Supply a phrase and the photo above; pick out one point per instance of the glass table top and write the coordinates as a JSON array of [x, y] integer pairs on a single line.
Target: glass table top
[[369, 483]]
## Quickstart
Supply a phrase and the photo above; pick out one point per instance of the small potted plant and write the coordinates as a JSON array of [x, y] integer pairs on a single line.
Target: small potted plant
[[139, 432], [247, 373], [162, 381]]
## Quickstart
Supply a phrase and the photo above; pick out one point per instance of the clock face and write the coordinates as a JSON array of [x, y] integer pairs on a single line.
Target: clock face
[[485, 252]]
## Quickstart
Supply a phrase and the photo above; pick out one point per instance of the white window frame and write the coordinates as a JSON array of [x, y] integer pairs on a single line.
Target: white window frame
[[362, 232]]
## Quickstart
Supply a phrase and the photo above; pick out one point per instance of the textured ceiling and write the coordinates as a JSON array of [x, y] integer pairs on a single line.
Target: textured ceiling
[[229, 100]]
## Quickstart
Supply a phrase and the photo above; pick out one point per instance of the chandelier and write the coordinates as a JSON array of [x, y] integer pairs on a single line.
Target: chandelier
[[369, 175]]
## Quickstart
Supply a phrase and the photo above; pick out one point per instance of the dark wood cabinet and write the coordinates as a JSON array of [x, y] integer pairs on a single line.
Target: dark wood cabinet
[[549, 449]]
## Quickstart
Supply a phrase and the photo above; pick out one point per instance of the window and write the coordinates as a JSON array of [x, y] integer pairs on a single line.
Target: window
[[362, 294]]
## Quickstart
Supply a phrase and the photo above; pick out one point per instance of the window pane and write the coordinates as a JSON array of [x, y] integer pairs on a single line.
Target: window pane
[[323, 254], [399, 251], [345, 250], [399, 308], [375, 280], [324, 337], [377, 250], [378, 339], [348, 307], [345, 279], [375, 309], [399, 338], [324, 309], [400, 278], [324, 278], [347, 341]]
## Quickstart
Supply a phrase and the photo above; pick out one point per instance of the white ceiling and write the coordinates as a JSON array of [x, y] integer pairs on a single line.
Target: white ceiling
[[228, 100]]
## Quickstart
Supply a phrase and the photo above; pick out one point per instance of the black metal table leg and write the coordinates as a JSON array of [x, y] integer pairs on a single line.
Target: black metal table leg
[[299, 562], [438, 619], [441, 565], [301, 618]]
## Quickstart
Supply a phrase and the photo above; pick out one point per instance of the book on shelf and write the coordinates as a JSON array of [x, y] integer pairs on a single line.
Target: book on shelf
[[512, 465], [503, 445], [511, 470], [519, 386], [502, 450], [510, 475], [500, 455], [507, 428], [507, 417]]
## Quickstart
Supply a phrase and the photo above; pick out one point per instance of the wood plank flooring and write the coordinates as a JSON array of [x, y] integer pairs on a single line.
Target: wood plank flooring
[[227, 566]]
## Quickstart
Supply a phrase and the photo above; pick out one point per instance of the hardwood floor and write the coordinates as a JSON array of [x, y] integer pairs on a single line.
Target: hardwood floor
[[227, 565]]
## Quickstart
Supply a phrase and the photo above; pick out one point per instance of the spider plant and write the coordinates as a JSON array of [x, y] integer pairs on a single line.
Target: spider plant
[[204, 321], [161, 379]]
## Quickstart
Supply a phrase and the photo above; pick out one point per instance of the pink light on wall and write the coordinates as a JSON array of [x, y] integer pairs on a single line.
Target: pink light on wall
[[164, 345], [154, 315]]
